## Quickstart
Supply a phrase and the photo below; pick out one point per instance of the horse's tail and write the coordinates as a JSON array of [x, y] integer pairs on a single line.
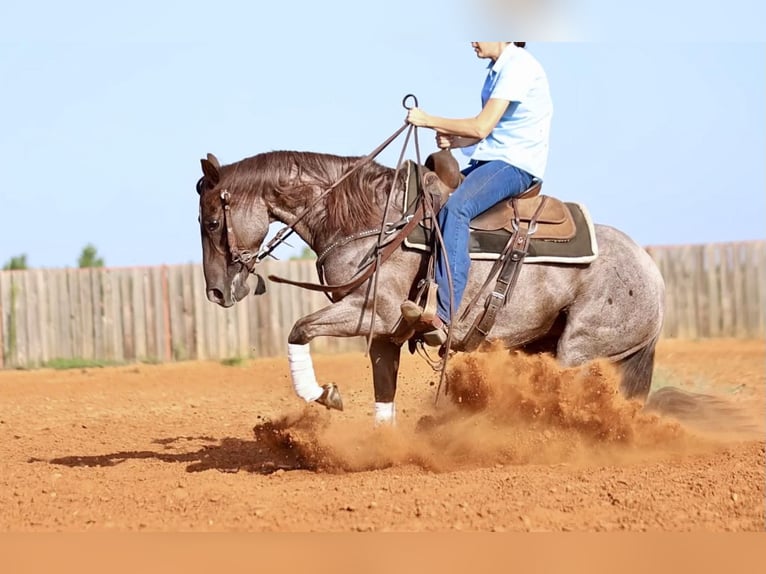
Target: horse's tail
[[698, 410], [704, 412]]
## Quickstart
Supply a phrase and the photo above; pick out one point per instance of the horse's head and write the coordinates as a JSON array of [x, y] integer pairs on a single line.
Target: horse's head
[[232, 231]]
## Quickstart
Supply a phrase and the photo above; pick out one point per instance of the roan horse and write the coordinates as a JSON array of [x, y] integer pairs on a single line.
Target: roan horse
[[611, 308]]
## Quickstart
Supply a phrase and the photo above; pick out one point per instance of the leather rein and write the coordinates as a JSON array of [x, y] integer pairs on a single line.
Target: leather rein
[[383, 249]]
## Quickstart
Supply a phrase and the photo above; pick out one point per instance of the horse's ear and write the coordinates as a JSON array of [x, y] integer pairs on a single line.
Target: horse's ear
[[214, 160], [210, 169]]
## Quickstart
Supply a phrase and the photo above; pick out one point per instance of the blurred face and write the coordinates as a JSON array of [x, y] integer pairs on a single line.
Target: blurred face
[[491, 50]]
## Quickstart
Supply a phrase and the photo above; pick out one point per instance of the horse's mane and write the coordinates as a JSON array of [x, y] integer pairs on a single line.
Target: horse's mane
[[288, 176]]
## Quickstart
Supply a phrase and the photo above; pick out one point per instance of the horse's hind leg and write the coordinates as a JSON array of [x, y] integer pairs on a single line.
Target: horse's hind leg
[[384, 357], [635, 369], [579, 344]]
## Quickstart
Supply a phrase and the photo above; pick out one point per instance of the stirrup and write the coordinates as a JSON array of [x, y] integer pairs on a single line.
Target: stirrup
[[330, 397], [436, 337]]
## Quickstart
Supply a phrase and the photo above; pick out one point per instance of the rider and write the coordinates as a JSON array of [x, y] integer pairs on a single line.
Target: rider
[[511, 137]]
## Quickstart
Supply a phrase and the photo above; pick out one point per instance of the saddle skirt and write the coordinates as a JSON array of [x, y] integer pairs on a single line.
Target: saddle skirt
[[554, 222]]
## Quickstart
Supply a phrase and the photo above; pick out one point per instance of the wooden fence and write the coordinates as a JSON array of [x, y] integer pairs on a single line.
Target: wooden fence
[[148, 314], [162, 314], [715, 290]]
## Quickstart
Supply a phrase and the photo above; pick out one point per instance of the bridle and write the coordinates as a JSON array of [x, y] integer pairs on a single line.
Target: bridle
[[246, 258], [250, 259]]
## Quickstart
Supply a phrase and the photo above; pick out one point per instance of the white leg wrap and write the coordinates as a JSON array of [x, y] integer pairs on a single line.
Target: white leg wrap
[[385, 414], [302, 373]]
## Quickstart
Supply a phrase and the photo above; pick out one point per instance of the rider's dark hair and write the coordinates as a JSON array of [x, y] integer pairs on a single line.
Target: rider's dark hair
[[520, 44]]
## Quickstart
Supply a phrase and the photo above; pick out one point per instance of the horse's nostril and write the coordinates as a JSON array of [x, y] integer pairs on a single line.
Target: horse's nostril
[[215, 295]]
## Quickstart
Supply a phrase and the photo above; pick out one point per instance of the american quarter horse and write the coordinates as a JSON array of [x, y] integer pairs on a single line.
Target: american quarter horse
[[611, 308]]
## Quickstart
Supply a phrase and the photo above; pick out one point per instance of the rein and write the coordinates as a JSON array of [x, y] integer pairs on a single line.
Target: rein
[[288, 230], [383, 249]]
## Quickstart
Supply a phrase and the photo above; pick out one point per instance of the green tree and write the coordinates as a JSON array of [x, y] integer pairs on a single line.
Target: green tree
[[89, 257], [307, 253], [17, 262]]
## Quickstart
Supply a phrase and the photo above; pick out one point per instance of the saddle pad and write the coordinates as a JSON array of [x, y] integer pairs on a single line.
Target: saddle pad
[[487, 245]]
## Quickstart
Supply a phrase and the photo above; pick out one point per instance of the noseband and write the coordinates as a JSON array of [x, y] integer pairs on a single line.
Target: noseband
[[246, 258]]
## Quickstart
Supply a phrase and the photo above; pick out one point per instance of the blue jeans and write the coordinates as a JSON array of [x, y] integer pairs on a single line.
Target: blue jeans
[[485, 184]]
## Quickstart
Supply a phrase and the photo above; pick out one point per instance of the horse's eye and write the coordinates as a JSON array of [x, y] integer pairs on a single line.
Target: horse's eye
[[212, 224]]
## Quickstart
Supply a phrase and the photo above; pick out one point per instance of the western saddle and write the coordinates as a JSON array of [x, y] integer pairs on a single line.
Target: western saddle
[[554, 221]]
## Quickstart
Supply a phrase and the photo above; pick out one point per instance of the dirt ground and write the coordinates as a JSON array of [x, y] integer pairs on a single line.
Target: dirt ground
[[519, 445]]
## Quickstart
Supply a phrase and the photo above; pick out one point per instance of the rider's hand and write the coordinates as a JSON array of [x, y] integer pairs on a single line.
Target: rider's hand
[[444, 141], [417, 117]]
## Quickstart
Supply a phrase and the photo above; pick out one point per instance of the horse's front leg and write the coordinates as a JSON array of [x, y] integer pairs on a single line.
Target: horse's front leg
[[384, 357], [344, 319]]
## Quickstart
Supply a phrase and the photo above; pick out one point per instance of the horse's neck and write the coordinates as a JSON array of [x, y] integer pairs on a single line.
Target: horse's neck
[[309, 217]]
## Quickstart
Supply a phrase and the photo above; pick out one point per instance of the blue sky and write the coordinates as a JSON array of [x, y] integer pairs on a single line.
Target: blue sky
[[104, 114]]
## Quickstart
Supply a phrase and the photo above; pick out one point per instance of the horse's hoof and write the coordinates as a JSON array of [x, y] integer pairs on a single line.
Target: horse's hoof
[[331, 397]]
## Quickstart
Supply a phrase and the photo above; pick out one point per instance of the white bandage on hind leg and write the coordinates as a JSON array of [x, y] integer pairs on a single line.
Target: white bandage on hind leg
[[302, 373], [385, 413]]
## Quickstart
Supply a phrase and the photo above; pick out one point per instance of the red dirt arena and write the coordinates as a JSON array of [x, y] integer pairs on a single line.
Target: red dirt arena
[[518, 445]]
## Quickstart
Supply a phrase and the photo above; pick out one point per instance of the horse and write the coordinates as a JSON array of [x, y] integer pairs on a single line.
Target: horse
[[611, 308]]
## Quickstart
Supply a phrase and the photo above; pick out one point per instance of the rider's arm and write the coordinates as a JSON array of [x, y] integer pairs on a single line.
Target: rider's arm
[[462, 141], [477, 127]]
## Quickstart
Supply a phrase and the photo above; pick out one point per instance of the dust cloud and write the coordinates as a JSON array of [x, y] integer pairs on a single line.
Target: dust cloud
[[501, 408]]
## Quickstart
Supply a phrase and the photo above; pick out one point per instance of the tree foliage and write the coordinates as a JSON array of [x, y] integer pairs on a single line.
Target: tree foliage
[[17, 262], [307, 253], [89, 257]]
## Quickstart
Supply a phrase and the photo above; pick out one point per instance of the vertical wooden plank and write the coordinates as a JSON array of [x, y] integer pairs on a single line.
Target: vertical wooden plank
[[64, 317], [97, 295], [210, 325], [108, 327], [138, 303], [49, 279], [156, 280], [155, 313], [760, 264], [174, 301], [165, 334], [672, 285], [727, 292], [683, 293], [205, 325], [260, 339], [713, 288], [97, 312], [22, 322], [739, 296], [761, 254], [125, 279], [3, 306], [701, 302], [285, 315], [243, 327], [73, 278], [86, 311], [190, 339], [148, 312], [226, 337], [41, 288], [692, 292], [200, 329], [31, 320], [753, 285], [115, 282]]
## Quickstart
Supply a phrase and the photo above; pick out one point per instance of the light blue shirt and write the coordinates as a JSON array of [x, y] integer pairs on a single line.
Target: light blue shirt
[[522, 134]]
